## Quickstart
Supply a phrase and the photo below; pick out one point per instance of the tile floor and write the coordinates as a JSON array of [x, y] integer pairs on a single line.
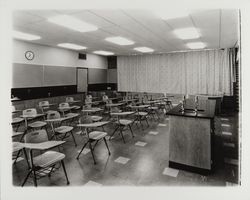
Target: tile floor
[[143, 165]]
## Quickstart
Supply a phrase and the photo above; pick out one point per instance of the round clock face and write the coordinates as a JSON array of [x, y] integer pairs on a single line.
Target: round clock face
[[29, 55]]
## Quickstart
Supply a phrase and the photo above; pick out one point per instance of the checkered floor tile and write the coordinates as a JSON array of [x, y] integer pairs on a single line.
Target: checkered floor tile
[[231, 161], [122, 160], [141, 144], [225, 125], [85, 151], [226, 144], [170, 172], [162, 124], [227, 133], [153, 132], [78, 132], [108, 137], [18, 159], [93, 183], [231, 184]]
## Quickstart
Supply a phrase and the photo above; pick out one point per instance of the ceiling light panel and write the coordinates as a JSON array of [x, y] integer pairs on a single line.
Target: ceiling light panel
[[72, 23], [120, 40], [187, 33], [104, 53], [196, 45], [25, 36], [71, 46], [144, 49]]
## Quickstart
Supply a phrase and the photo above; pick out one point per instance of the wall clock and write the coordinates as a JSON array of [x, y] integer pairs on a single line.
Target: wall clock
[[29, 55]]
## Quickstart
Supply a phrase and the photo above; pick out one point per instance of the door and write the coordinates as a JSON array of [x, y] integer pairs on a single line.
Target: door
[[82, 79]]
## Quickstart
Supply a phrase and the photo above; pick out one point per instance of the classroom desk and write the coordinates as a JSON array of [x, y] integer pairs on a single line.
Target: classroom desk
[[140, 106], [16, 111], [191, 135], [74, 101], [93, 102], [26, 117], [91, 110], [114, 104], [152, 102]]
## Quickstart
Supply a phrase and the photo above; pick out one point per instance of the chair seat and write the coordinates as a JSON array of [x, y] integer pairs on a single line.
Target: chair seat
[[63, 129], [125, 122], [76, 107], [96, 118], [37, 124], [16, 146], [48, 158], [97, 135], [153, 108], [71, 115], [142, 113], [17, 120]]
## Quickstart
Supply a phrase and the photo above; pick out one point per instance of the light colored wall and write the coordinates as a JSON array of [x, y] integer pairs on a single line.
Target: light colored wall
[[46, 55]]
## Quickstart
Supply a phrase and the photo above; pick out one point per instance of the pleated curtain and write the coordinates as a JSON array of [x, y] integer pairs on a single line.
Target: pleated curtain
[[196, 72]]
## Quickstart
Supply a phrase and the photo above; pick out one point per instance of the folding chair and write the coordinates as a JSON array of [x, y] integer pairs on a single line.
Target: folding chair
[[92, 135], [59, 131], [44, 163]]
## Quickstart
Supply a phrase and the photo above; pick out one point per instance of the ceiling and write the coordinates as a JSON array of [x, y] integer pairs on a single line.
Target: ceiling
[[219, 29]]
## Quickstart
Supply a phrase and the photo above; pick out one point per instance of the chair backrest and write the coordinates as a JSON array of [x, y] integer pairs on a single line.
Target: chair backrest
[[53, 115], [85, 119], [30, 111], [43, 103], [63, 105], [115, 110], [105, 98], [89, 96], [88, 99], [69, 99], [109, 101], [37, 136]]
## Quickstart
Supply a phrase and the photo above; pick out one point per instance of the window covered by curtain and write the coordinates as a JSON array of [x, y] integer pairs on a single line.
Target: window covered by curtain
[[195, 72]]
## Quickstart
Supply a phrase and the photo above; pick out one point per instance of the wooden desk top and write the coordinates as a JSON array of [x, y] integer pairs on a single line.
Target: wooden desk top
[[206, 109]]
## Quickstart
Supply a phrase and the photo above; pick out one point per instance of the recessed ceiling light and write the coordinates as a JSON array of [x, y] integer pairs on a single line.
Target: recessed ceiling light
[[25, 36], [72, 23], [71, 46], [119, 40], [104, 53], [187, 33], [196, 45], [171, 14], [144, 49]]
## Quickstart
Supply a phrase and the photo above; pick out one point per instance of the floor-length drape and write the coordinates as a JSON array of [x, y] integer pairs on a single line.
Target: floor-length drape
[[194, 72]]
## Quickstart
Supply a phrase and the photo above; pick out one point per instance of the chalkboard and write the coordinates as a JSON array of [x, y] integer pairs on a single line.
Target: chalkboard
[[29, 75], [57, 75], [26, 75], [97, 76]]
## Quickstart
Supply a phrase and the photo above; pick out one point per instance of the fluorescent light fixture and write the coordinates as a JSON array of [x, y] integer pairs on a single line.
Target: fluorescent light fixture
[[25, 36], [187, 33], [196, 45], [119, 40], [171, 14], [72, 23], [104, 53], [144, 49], [71, 46]]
